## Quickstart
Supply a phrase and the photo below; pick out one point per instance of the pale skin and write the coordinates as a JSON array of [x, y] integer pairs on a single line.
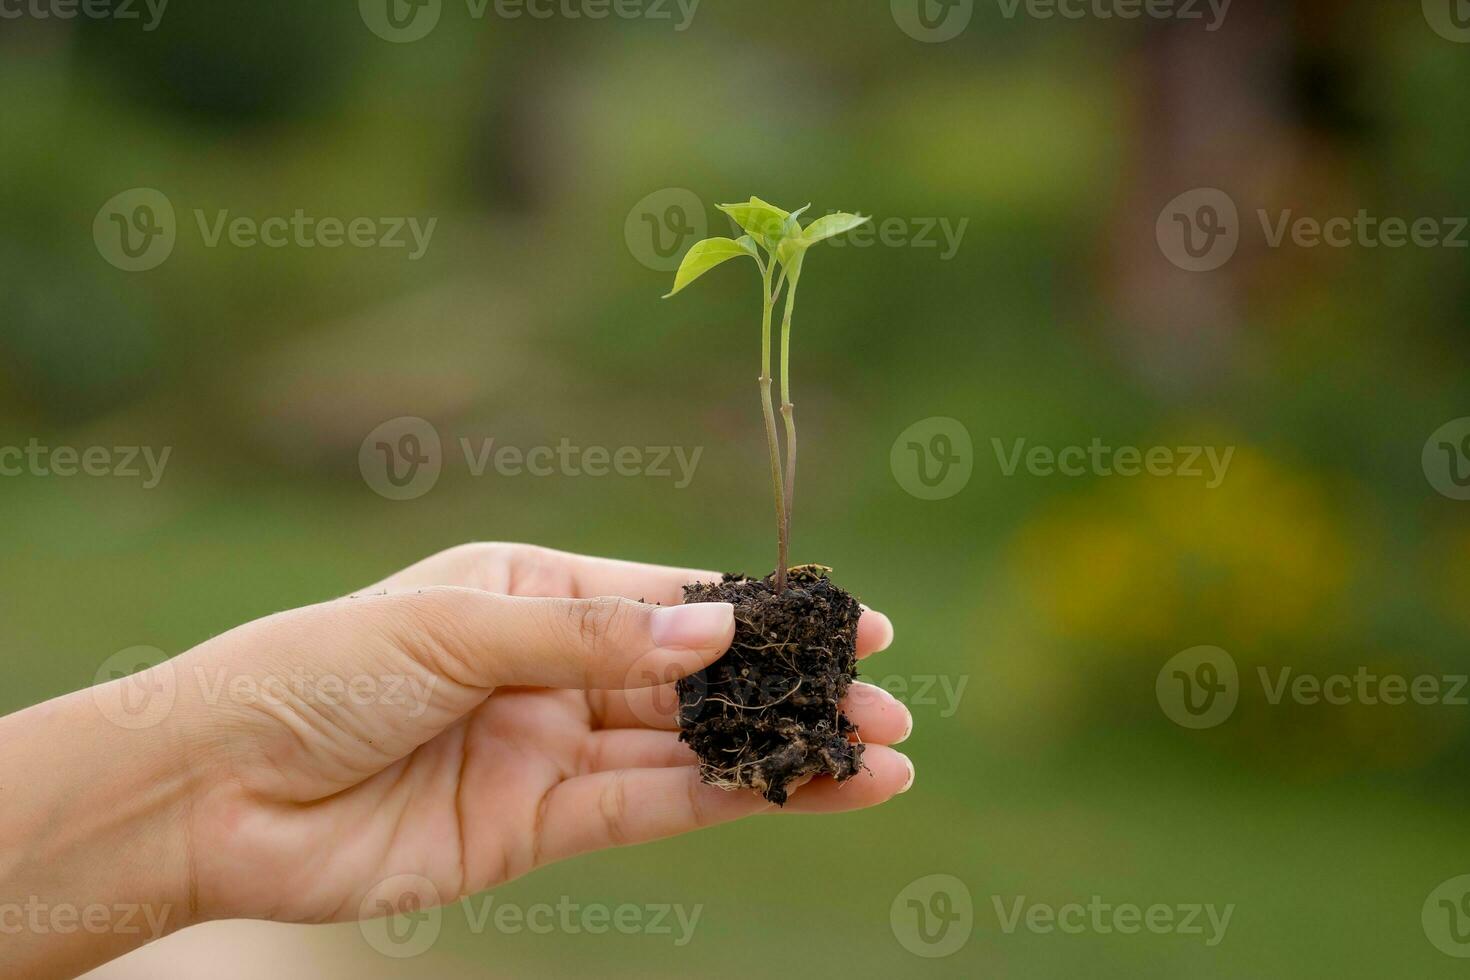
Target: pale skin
[[515, 707]]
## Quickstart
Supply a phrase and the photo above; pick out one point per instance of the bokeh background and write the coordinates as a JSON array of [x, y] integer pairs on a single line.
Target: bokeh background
[[534, 316]]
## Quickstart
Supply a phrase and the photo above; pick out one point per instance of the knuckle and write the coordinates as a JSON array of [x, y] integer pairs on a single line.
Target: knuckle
[[598, 621], [488, 565], [612, 804], [698, 817], [428, 627]]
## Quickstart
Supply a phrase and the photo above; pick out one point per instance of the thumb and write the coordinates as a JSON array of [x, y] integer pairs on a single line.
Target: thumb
[[485, 640]]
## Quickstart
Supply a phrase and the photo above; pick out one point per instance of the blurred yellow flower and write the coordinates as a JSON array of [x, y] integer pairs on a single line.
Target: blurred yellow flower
[[1166, 560]]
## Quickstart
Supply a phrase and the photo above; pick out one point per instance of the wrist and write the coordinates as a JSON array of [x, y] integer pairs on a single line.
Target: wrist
[[95, 819]]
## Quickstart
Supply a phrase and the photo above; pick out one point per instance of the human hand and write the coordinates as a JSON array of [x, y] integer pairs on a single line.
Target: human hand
[[544, 727], [489, 710]]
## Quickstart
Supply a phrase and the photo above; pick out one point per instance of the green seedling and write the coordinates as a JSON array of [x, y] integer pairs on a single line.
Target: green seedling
[[778, 243]]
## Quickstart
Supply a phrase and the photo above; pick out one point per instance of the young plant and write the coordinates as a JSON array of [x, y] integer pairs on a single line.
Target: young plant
[[777, 242], [768, 714]]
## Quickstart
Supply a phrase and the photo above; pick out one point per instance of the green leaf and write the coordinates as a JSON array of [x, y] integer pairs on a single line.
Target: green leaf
[[831, 225], [765, 222], [792, 227], [704, 256], [792, 252]]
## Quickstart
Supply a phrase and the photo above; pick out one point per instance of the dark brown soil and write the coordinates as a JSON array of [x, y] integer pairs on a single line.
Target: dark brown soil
[[765, 715]]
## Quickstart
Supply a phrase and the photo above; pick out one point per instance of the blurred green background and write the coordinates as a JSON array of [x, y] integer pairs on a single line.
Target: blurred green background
[[534, 316]]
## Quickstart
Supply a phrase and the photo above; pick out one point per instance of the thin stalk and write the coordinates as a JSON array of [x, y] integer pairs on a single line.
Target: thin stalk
[[768, 303], [788, 416]]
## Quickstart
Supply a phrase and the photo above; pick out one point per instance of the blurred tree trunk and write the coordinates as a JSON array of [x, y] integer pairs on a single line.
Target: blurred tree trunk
[[1261, 109]]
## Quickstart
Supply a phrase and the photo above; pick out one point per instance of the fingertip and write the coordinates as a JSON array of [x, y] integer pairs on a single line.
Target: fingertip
[[697, 626], [880, 717], [887, 773], [875, 632], [908, 783]]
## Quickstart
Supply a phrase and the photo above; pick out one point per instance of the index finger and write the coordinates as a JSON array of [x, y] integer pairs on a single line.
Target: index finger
[[530, 570]]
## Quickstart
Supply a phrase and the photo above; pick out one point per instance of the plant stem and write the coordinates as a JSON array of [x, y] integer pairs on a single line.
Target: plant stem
[[768, 302], [788, 416]]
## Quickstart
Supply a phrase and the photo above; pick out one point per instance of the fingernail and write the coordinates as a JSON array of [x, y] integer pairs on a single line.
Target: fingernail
[[910, 763], [908, 728], [695, 626]]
